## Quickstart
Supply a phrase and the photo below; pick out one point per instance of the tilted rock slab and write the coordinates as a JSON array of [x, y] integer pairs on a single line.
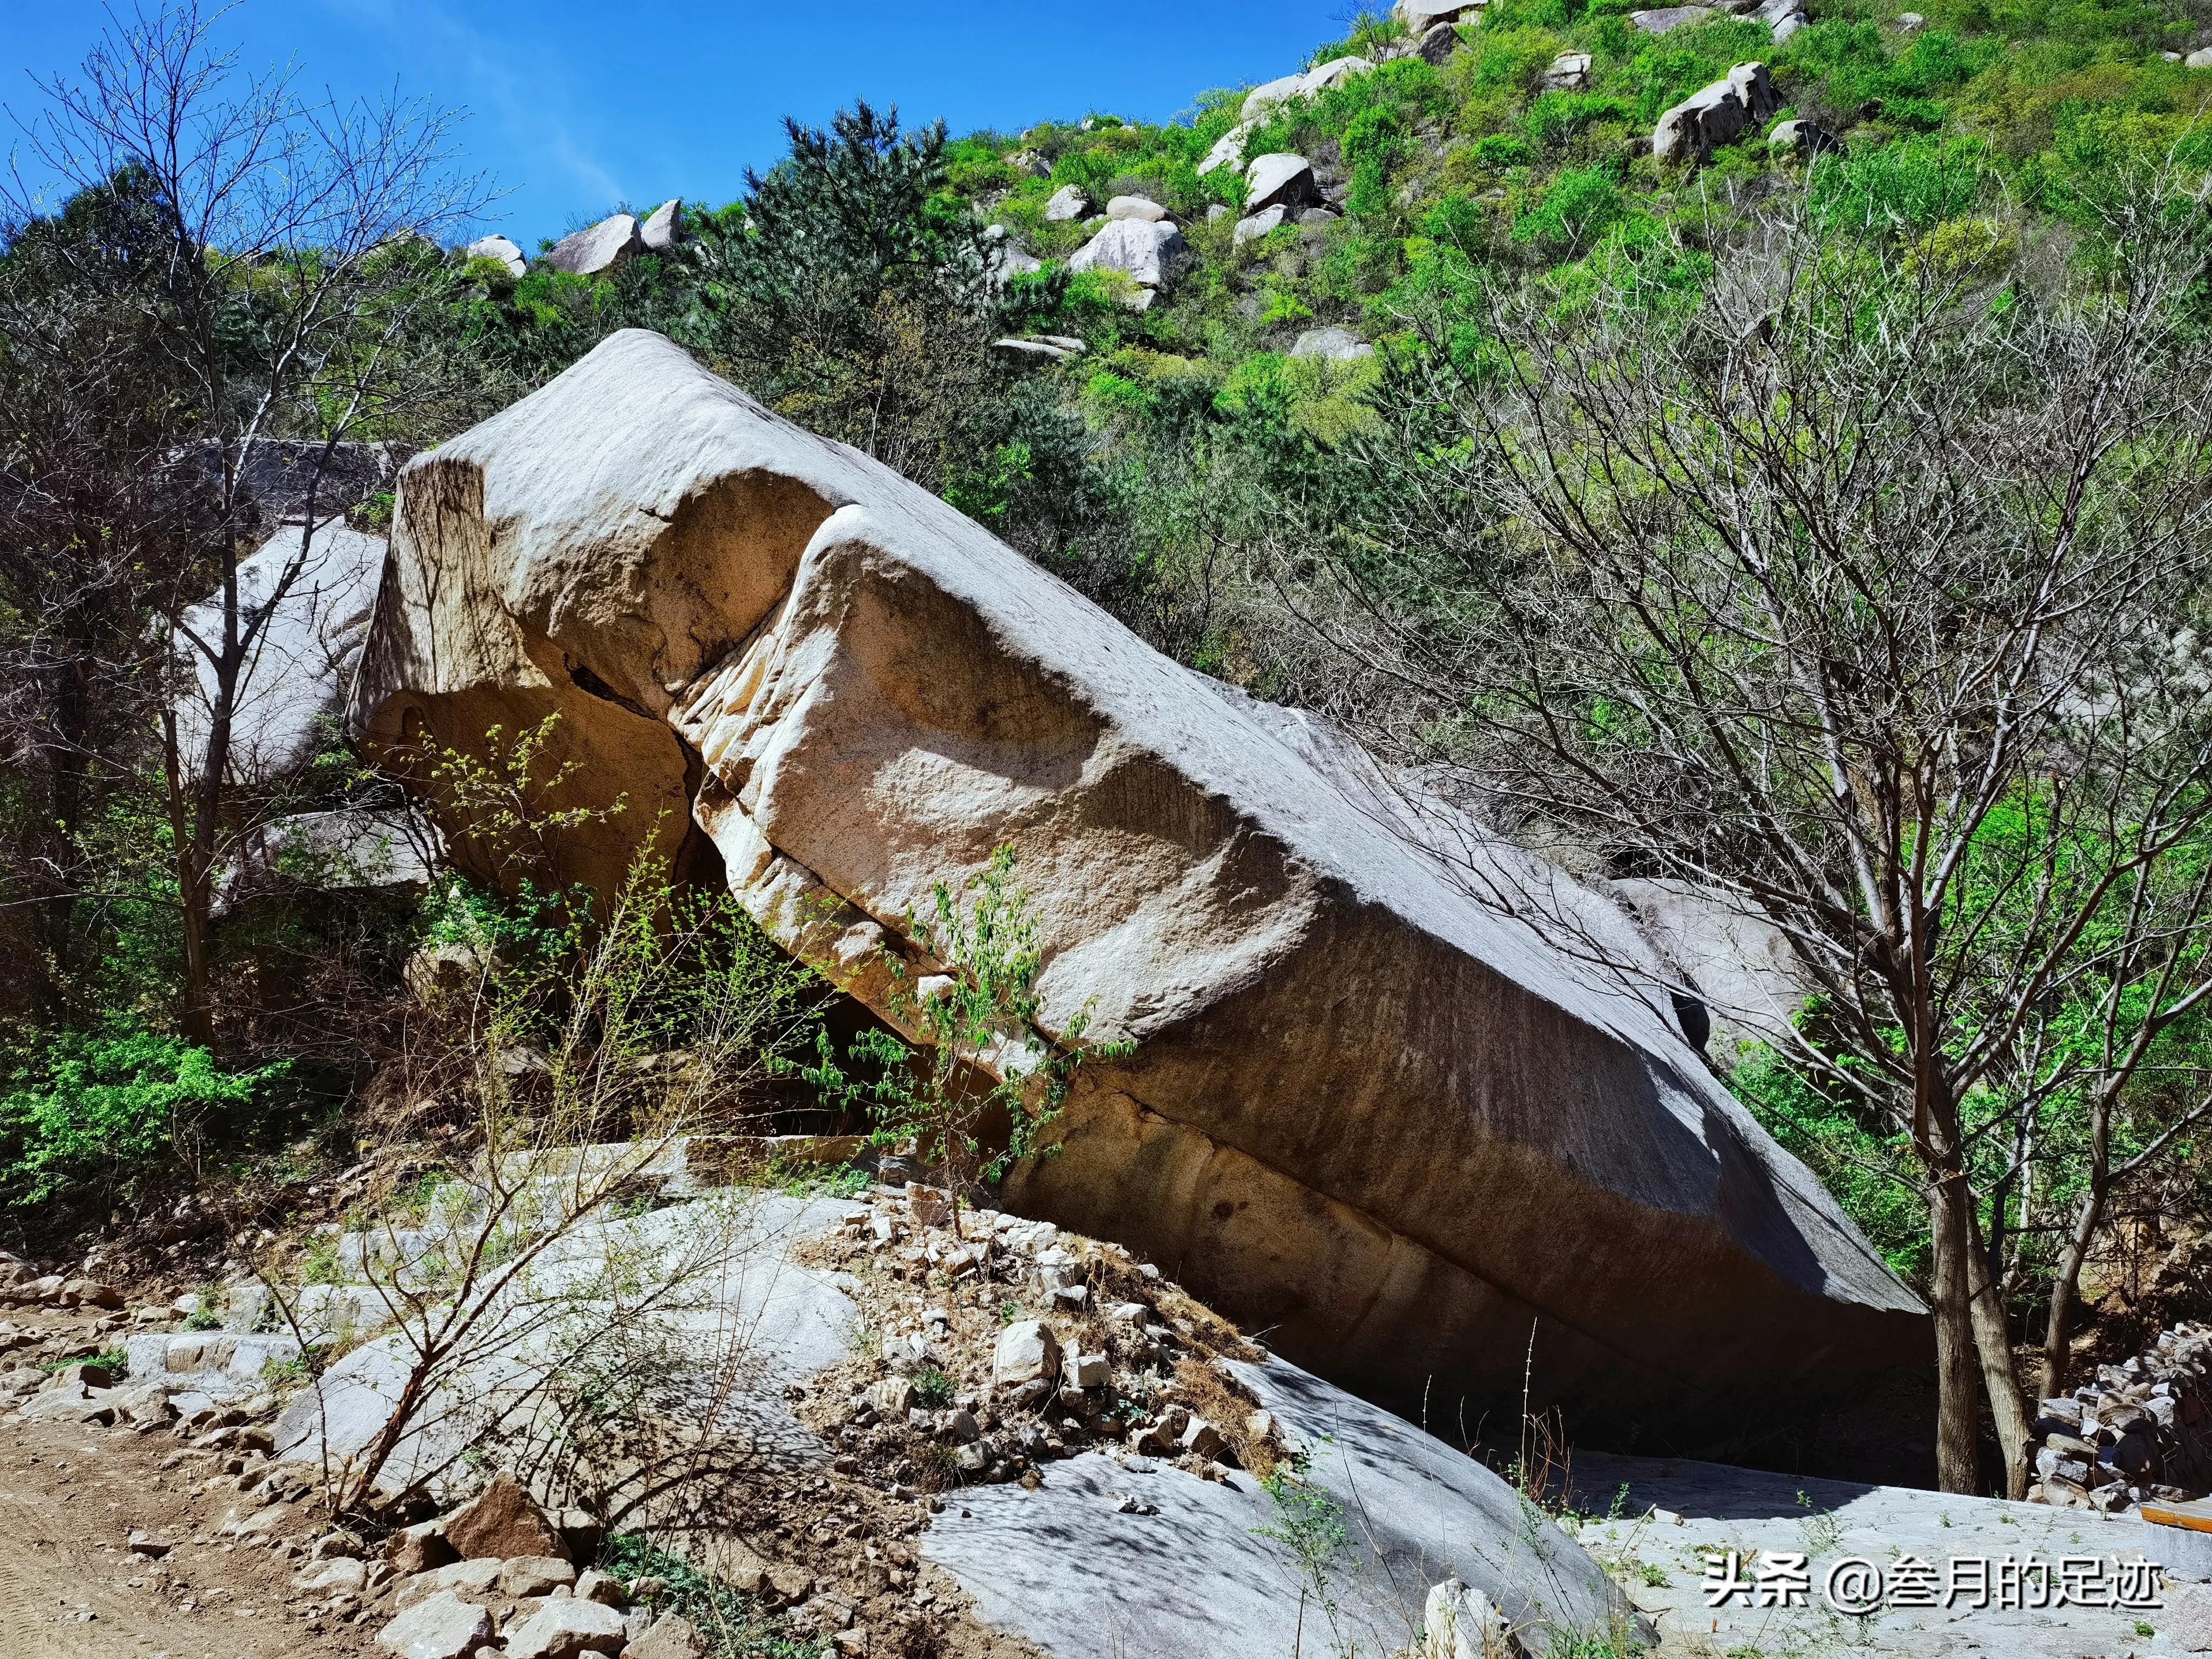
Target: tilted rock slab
[[1366, 1110]]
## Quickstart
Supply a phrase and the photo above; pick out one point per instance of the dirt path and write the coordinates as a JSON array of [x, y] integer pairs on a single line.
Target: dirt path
[[70, 1588]]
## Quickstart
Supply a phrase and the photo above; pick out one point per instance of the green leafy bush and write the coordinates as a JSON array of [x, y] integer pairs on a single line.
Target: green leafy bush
[[105, 1110]]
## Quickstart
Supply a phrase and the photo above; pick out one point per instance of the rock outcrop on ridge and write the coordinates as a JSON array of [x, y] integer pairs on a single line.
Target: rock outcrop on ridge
[[1366, 1110]]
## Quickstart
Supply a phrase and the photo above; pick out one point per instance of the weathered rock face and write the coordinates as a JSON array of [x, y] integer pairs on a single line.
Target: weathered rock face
[[323, 584], [1365, 1107]]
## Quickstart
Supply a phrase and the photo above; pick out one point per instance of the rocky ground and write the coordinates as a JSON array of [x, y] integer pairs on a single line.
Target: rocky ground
[[987, 1400], [117, 1541], [1658, 1525]]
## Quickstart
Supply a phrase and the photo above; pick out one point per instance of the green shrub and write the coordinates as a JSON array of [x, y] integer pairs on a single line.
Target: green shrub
[[104, 1110], [1577, 209]]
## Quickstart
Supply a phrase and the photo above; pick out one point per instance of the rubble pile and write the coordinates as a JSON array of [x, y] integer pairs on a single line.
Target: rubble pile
[[1000, 1344], [2141, 1430]]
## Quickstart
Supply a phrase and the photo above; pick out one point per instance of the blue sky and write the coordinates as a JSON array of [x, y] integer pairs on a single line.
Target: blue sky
[[573, 106]]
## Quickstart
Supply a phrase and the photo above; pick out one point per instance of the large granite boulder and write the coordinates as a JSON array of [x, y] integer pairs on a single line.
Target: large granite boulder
[[596, 249], [310, 590], [1368, 1108], [1149, 252]]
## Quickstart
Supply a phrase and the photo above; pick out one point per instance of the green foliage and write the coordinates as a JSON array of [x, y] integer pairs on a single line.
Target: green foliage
[[978, 1016], [110, 1111], [932, 1388], [114, 1361], [736, 1626]]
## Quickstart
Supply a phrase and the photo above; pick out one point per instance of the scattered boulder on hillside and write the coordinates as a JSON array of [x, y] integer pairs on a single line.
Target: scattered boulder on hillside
[[1321, 78], [1228, 149], [663, 226], [2199, 59], [1784, 17], [1432, 46], [1254, 226], [1419, 16], [1279, 180], [1029, 161], [601, 247], [1338, 344], [1149, 252], [759, 635], [1664, 18], [501, 249], [1804, 137], [1008, 259], [1713, 115], [1042, 348], [1068, 202], [291, 690], [1136, 207], [1570, 72]]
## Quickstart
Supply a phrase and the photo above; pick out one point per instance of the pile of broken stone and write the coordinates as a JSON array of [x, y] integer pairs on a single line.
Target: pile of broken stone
[[1003, 1344], [2142, 1429]]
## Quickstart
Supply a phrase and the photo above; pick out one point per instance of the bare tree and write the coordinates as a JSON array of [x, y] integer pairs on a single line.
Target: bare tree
[[294, 240], [1856, 587]]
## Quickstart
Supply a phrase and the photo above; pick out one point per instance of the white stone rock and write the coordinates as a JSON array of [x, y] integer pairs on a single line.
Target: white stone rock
[[1255, 226], [662, 226], [1570, 72], [1787, 26], [1265, 96], [1027, 1352], [1068, 202], [1419, 16], [2199, 59], [811, 731], [596, 248], [1805, 137], [1091, 1370], [1320, 79], [1662, 19], [1713, 115], [1339, 344], [1150, 254], [1136, 207], [438, 1627], [319, 587], [1280, 179], [500, 248], [1335, 73], [1228, 149], [565, 1627]]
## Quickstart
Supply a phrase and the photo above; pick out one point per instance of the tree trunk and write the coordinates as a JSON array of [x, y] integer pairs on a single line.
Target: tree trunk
[[1993, 1339], [2066, 1293], [1958, 1408], [192, 882]]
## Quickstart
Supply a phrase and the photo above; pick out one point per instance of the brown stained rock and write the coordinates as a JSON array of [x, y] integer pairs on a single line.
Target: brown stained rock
[[503, 1522], [418, 1548]]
